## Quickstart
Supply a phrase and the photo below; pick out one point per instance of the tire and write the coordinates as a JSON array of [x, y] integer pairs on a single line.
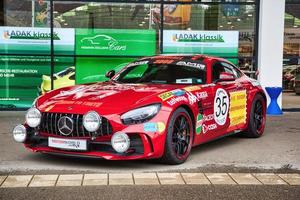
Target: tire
[[257, 119], [178, 143]]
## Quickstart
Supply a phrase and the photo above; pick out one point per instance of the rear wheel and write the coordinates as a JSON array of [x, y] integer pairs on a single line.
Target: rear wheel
[[257, 119], [179, 138]]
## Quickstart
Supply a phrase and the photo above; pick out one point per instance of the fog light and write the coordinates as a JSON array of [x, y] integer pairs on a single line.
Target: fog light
[[120, 142], [19, 133]]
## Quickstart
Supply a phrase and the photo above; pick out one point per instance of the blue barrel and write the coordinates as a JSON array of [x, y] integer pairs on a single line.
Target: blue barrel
[[273, 108]]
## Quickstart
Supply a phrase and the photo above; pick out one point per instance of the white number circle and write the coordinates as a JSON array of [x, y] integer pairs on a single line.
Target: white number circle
[[221, 106]]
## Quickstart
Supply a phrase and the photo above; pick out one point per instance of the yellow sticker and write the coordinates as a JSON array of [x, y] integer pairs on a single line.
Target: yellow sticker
[[192, 88], [166, 95], [161, 127], [238, 108]]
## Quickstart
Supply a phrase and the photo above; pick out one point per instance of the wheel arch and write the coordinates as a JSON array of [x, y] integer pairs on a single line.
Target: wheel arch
[[192, 115], [255, 93]]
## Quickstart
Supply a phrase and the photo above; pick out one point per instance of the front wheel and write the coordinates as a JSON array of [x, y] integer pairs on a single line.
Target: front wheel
[[179, 138], [257, 116]]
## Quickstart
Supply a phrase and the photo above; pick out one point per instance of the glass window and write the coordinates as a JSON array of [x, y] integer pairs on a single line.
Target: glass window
[[22, 79], [93, 37], [215, 17], [220, 67], [291, 46], [231, 69], [162, 74]]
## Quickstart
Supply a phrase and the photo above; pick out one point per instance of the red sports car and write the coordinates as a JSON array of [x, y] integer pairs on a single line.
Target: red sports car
[[155, 107]]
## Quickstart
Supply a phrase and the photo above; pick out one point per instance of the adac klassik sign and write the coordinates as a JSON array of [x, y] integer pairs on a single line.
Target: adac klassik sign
[[218, 43], [115, 42], [29, 40]]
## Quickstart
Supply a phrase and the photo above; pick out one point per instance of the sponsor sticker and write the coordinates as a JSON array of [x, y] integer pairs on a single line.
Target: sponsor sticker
[[221, 106], [150, 127], [199, 124], [175, 100], [164, 61], [170, 94], [178, 92], [161, 127], [192, 88], [165, 96], [192, 98], [138, 63], [202, 95], [67, 143], [210, 127], [238, 105], [191, 64], [154, 127], [208, 117]]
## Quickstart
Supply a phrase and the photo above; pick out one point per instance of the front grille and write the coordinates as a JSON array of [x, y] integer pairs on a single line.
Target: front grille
[[49, 124]]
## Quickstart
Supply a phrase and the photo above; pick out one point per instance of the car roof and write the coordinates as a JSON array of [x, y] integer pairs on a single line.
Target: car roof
[[192, 57]]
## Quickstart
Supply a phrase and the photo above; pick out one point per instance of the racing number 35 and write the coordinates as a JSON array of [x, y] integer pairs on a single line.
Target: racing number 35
[[221, 105]]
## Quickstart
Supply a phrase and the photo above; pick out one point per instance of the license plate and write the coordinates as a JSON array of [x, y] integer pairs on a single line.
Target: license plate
[[71, 144]]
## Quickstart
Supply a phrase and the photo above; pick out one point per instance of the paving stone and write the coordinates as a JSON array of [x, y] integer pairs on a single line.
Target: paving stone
[[269, 179], [69, 180], [170, 178], [95, 179], [17, 181], [2, 178], [245, 179], [220, 179], [195, 178], [145, 179], [43, 181], [120, 179], [292, 179]]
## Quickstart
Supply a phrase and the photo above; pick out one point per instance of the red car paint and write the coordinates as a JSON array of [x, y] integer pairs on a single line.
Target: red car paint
[[111, 100]]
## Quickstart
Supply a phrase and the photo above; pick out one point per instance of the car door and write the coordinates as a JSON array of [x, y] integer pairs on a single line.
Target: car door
[[237, 114], [221, 99]]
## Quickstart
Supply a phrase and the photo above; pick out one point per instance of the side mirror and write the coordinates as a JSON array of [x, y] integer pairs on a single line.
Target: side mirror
[[110, 74], [226, 76]]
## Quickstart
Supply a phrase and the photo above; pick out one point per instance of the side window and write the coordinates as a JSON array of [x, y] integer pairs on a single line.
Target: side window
[[229, 68], [217, 68]]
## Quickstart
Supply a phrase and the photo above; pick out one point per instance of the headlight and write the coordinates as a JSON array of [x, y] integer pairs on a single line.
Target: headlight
[[33, 117], [140, 115], [19, 133], [120, 142], [91, 121]]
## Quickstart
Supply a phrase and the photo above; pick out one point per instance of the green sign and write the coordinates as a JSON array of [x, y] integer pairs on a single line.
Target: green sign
[[28, 40], [216, 43], [21, 78], [94, 69], [115, 42]]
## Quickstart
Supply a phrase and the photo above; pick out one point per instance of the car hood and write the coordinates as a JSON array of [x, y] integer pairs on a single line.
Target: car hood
[[107, 98]]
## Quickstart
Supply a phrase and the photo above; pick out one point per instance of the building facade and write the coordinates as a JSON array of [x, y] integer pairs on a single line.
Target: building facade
[[46, 45]]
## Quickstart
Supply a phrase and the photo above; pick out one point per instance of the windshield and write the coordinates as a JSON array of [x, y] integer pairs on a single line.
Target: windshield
[[65, 72], [163, 74]]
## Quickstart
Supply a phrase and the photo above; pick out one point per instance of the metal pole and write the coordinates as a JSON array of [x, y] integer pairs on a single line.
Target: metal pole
[[51, 44], [161, 26]]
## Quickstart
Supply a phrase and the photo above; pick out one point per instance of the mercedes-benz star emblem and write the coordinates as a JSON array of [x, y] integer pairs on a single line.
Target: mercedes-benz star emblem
[[65, 125]]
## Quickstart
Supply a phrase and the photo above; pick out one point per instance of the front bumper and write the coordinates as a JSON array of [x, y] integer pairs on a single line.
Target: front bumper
[[141, 146]]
